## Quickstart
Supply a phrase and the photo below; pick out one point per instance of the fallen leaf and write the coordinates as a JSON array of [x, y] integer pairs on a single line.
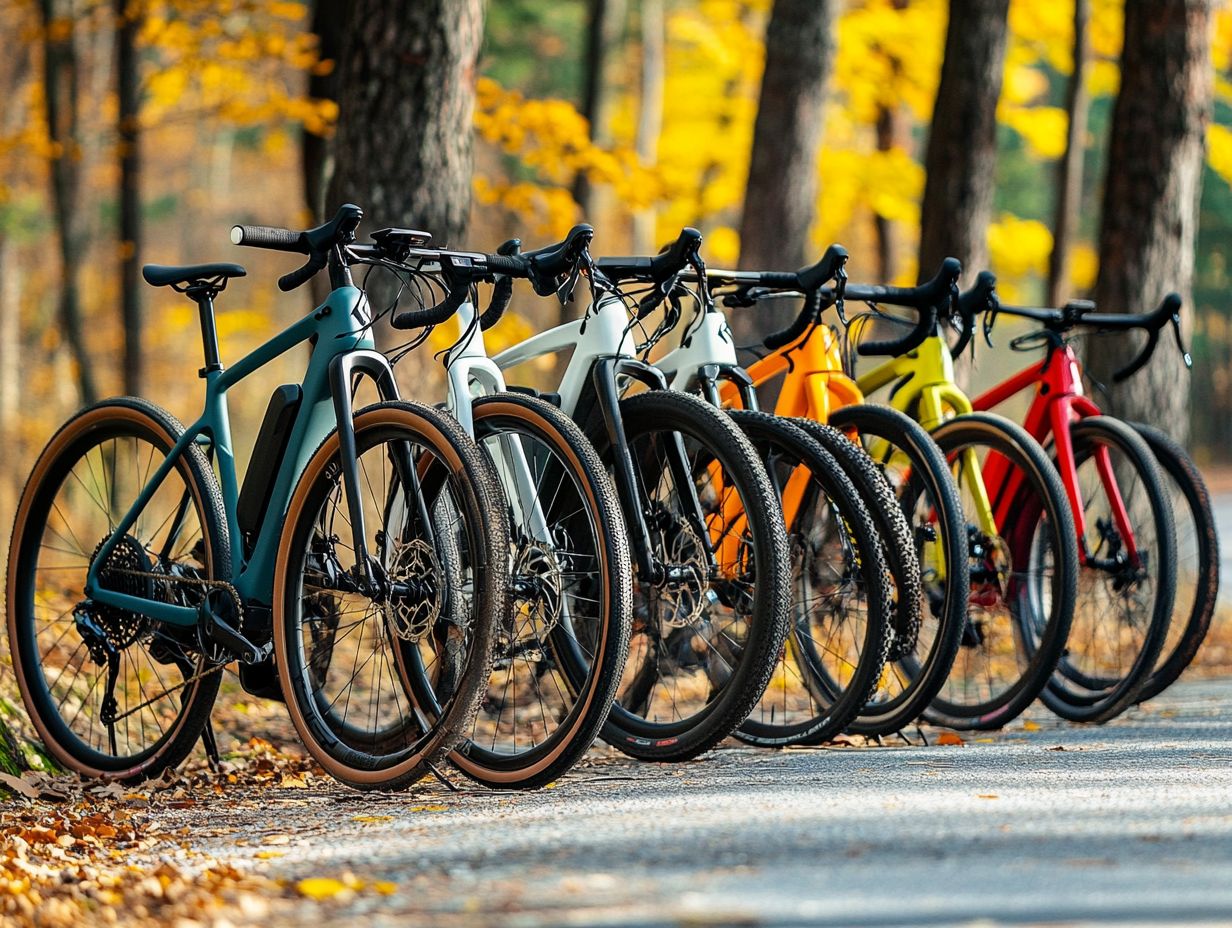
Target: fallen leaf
[[269, 855], [276, 839], [27, 789], [373, 818], [950, 738], [320, 887], [987, 796], [1028, 725]]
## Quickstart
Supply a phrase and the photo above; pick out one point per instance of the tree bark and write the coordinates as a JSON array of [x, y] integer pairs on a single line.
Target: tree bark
[[1150, 212], [61, 113], [317, 150], [888, 134], [781, 197], [961, 158], [406, 93], [605, 21], [1069, 168], [128, 24]]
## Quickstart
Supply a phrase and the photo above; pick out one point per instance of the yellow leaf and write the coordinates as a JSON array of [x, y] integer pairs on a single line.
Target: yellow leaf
[[1028, 725], [269, 855], [372, 818], [320, 887]]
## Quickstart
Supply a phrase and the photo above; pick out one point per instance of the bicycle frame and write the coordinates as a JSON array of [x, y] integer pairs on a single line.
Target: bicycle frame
[[1060, 401], [603, 356], [339, 331]]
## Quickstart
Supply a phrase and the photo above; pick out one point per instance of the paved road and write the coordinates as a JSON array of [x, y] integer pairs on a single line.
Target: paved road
[[1130, 823], [1222, 503]]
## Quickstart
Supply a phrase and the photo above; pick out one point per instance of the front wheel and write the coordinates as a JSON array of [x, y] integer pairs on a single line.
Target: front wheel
[[382, 679]]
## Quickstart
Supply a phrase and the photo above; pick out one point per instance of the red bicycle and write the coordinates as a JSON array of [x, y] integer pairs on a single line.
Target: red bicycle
[[1122, 509]]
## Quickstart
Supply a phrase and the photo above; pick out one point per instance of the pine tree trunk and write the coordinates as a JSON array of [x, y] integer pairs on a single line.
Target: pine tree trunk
[[316, 151], [650, 115], [1069, 168], [1150, 212], [128, 24], [961, 159], [61, 112], [605, 23], [781, 197]]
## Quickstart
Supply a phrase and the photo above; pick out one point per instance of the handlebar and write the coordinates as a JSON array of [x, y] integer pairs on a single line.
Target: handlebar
[[982, 296], [809, 280], [1082, 313], [315, 243], [661, 270], [926, 298]]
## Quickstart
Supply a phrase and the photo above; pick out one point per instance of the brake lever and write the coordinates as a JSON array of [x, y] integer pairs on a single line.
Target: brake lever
[[990, 317], [1180, 341]]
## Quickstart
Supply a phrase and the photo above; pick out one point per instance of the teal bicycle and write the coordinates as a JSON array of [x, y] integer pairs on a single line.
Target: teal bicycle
[[136, 574]]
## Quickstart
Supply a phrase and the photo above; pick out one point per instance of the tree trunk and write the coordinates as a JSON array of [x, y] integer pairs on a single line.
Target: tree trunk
[[128, 24], [889, 132], [781, 197], [1069, 168], [316, 151], [60, 111], [605, 22], [406, 94], [962, 143], [650, 116], [1150, 212]]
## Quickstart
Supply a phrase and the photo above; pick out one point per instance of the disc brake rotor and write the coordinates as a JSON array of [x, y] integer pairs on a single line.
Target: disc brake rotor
[[412, 617]]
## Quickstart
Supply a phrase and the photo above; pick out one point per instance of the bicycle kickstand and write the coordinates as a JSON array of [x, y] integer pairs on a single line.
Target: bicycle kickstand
[[210, 743]]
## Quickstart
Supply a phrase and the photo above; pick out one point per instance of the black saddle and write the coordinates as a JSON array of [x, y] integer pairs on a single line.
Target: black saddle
[[158, 275]]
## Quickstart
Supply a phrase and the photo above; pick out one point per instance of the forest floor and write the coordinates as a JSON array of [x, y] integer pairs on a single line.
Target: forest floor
[[1128, 823]]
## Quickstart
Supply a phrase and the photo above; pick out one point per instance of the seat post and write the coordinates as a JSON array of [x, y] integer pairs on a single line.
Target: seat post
[[203, 294]]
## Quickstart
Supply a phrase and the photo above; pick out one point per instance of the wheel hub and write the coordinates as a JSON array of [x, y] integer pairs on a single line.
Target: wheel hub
[[414, 564], [536, 585]]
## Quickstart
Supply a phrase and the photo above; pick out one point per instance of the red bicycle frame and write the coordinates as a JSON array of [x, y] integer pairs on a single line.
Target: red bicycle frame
[[1059, 402]]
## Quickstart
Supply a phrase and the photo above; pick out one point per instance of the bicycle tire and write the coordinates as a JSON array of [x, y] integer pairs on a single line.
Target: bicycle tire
[[1042, 495], [109, 420], [1073, 693], [921, 670], [670, 413], [592, 688], [833, 705], [457, 465], [1179, 467]]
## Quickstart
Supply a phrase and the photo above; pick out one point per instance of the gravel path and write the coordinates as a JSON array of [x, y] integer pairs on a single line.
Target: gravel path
[[1129, 823]]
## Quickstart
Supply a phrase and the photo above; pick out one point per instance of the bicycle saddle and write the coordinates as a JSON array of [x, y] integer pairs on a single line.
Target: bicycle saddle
[[159, 275]]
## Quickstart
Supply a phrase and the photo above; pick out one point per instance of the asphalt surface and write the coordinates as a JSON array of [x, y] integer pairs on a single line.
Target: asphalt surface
[[1130, 823]]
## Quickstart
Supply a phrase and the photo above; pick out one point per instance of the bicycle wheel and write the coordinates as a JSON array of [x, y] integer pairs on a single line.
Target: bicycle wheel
[[379, 686], [919, 476], [559, 658], [1197, 560], [1023, 570], [114, 693], [839, 627], [707, 630], [1125, 594]]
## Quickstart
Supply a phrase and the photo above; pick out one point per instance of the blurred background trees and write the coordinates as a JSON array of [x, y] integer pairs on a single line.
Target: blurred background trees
[[1063, 143]]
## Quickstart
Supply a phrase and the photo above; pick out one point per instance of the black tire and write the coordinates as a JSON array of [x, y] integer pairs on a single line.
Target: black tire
[[928, 499], [196, 545], [437, 666], [1041, 526], [1109, 657], [843, 631], [754, 593], [573, 669], [1197, 560]]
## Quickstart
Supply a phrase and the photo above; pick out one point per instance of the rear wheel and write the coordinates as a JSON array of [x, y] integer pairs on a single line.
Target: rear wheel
[[839, 633], [381, 681], [112, 692], [707, 632], [1023, 571]]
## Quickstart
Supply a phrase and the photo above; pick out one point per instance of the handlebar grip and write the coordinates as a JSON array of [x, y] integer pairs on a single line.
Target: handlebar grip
[[433, 315], [507, 265], [502, 292], [825, 270], [270, 237], [1169, 311], [302, 275], [781, 280], [808, 313], [924, 326]]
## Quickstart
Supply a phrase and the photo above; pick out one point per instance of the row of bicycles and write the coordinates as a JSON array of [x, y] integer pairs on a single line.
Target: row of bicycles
[[643, 555]]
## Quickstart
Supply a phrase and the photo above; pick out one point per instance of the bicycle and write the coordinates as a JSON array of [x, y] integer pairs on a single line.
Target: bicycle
[[132, 565], [1115, 476], [1016, 530], [840, 624], [560, 653], [806, 362], [710, 595]]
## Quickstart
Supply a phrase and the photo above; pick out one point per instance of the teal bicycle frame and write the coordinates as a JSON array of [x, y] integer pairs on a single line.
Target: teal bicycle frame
[[340, 333]]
